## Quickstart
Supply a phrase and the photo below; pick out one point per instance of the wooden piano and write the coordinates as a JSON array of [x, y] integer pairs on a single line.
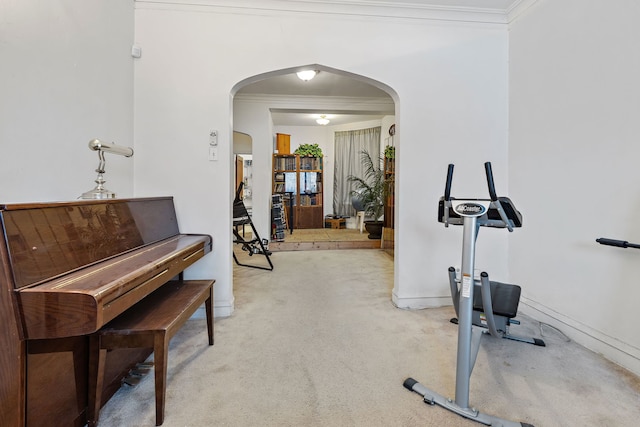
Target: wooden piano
[[66, 270]]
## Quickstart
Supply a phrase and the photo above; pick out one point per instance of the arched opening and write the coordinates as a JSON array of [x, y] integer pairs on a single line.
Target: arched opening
[[277, 101]]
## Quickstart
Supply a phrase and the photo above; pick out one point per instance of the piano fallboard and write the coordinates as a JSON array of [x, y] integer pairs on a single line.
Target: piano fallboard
[[82, 302]]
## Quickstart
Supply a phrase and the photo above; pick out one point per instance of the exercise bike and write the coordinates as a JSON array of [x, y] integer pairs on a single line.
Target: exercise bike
[[482, 306]]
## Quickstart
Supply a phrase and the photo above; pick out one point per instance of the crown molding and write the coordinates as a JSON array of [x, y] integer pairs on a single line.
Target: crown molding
[[518, 8], [354, 8], [337, 103]]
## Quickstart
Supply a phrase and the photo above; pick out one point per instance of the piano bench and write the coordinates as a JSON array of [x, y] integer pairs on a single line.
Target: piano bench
[[151, 323]]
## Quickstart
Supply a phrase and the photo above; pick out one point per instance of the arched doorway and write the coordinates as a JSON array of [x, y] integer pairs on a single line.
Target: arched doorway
[[272, 101]]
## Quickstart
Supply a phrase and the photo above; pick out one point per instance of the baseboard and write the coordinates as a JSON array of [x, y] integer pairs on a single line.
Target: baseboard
[[219, 310], [609, 347], [223, 308], [419, 302]]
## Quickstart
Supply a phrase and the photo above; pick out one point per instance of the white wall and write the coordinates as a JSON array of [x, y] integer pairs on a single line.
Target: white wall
[[66, 75], [573, 161], [451, 84]]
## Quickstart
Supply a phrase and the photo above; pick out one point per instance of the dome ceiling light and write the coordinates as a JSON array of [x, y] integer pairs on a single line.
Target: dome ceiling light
[[306, 75], [322, 120]]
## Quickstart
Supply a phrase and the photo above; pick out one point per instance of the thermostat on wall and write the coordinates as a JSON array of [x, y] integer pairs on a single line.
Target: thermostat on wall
[[136, 51]]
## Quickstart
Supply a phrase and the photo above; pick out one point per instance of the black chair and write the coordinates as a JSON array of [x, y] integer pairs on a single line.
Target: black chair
[[253, 246]]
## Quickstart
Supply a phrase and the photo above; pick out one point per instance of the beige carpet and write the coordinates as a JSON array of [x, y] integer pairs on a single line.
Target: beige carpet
[[317, 342]]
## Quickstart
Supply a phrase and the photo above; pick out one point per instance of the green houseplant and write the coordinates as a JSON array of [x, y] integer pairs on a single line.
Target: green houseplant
[[371, 190], [390, 152], [311, 150]]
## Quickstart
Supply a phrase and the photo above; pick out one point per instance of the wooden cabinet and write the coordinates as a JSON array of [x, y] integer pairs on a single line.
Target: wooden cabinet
[[300, 181], [283, 143]]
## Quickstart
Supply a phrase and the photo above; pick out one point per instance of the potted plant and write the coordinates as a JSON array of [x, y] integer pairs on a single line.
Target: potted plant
[[311, 150], [390, 152], [371, 190]]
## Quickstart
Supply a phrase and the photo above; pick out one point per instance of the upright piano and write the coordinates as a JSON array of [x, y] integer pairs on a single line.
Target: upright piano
[[66, 269]]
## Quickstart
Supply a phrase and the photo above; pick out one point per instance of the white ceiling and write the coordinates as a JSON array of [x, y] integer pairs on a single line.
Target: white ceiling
[[323, 84], [327, 85], [341, 99]]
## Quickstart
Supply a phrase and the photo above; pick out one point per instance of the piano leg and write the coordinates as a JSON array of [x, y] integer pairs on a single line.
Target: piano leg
[[97, 357], [160, 353], [209, 311], [51, 390]]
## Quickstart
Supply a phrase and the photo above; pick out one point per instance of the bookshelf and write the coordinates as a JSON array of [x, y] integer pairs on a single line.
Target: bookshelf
[[389, 204], [299, 180], [278, 218], [390, 177]]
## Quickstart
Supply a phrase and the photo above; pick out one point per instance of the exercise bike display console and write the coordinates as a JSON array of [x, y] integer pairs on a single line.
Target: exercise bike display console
[[482, 306]]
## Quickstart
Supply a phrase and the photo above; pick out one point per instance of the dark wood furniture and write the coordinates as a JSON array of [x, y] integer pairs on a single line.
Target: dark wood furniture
[[151, 323], [388, 232], [336, 223], [66, 270], [283, 143], [299, 180]]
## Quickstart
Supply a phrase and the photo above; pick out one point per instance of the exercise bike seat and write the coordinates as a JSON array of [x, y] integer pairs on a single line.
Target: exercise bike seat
[[505, 298]]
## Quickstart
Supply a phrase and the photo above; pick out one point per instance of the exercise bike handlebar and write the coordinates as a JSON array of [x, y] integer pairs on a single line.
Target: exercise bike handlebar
[[490, 184], [496, 204], [447, 194], [494, 197], [618, 243], [447, 186]]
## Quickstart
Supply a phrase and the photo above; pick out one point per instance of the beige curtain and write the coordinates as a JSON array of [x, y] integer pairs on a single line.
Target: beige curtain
[[348, 148]]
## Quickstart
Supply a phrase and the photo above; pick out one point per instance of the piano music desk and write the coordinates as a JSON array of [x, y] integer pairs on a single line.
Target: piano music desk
[[149, 324]]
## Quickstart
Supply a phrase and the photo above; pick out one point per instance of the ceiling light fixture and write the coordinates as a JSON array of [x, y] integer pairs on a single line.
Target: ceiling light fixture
[[306, 75], [322, 120]]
